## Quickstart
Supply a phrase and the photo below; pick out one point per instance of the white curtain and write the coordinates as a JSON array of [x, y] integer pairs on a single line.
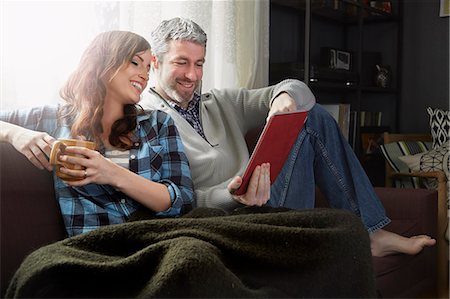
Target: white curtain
[[237, 52], [42, 41]]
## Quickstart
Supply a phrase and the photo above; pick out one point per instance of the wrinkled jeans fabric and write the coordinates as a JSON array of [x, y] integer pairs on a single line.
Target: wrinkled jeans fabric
[[322, 156]]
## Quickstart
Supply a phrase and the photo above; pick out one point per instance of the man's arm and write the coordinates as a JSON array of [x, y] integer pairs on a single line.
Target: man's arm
[[36, 146], [283, 102], [298, 91], [251, 106], [24, 129]]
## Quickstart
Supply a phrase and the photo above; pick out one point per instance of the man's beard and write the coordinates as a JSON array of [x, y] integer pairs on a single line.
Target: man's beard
[[175, 96]]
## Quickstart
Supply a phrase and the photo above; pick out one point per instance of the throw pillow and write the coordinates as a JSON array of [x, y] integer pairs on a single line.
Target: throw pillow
[[393, 150], [436, 159], [439, 125]]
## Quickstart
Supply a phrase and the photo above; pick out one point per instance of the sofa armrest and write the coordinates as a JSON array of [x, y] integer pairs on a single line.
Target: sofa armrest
[[412, 211], [30, 215], [439, 175], [420, 211]]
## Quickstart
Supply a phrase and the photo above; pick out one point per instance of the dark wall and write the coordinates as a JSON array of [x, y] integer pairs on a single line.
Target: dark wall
[[425, 65], [424, 54]]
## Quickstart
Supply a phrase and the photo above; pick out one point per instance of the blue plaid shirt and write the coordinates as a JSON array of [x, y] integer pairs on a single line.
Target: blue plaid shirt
[[157, 155]]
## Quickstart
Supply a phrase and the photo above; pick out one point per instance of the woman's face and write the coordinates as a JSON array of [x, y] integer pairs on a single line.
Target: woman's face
[[130, 80]]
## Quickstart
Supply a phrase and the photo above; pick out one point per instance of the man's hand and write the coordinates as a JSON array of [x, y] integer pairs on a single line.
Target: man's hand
[[258, 191], [282, 103], [36, 146]]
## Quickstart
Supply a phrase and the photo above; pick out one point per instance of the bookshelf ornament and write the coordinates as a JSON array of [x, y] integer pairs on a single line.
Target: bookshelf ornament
[[383, 76]]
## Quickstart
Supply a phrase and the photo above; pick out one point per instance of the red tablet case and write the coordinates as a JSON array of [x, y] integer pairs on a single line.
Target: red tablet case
[[274, 145]]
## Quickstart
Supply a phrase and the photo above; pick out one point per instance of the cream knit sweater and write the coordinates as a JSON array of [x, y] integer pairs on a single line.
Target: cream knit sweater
[[226, 115]]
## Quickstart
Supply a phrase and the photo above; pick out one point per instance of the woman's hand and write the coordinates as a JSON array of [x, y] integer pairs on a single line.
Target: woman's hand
[[258, 191], [97, 169], [102, 171], [36, 146]]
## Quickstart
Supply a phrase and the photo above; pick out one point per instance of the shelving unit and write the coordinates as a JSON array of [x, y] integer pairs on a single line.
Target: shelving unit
[[299, 31], [301, 28]]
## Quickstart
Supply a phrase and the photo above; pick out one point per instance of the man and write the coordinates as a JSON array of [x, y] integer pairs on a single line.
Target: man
[[213, 125]]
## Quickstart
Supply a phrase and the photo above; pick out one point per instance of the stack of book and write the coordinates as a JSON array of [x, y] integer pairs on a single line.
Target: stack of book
[[347, 120]]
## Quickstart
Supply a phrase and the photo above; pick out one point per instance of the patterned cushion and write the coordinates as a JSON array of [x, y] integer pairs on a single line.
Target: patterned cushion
[[392, 151], [439, 125], [435, 159]]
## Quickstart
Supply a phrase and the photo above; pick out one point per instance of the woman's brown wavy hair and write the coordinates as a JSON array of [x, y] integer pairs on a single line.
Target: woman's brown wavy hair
[[85, 90]]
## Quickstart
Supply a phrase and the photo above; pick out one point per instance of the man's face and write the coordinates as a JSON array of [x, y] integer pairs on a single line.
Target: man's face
[[179, 74]]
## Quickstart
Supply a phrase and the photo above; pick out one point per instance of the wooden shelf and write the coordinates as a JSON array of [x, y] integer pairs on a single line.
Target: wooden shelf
[[331, 86], [346, 11], [376, 89], [342, 25]]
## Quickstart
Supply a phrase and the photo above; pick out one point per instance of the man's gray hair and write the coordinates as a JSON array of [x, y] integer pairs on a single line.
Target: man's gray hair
[[175, 29]]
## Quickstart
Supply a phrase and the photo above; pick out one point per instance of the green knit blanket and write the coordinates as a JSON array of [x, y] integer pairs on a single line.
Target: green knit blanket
[[251, 253]]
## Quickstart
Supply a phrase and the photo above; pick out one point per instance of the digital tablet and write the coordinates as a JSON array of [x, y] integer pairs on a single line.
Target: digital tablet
[[274, 145]]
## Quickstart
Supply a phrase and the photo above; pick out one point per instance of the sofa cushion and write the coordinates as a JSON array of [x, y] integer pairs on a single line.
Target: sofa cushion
[[435, 159], [30, 216], [413, 212], [393, 150]]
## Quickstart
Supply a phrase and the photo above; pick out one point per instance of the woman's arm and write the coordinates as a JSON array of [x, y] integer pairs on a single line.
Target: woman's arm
[[102, 171], [172, 194]]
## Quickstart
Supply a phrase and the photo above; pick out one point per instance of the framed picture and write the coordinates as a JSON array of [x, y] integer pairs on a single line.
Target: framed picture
[[343, 60], [444, 10], [336, 58]]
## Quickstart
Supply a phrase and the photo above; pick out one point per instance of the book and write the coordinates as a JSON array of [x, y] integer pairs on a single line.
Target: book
[[370, 118], [353, 128], [274, 145], [341, 113]]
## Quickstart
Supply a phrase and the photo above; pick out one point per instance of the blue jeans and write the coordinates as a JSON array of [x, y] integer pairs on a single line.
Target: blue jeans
[[321, 156]]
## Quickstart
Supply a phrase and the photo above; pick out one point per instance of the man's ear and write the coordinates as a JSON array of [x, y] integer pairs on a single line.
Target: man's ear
[[155, 62]]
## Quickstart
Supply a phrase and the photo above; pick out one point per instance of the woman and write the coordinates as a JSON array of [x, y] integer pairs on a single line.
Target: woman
[[140, 163]]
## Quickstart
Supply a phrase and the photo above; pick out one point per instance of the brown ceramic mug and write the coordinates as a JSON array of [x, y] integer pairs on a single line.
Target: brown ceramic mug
[[58, 149]]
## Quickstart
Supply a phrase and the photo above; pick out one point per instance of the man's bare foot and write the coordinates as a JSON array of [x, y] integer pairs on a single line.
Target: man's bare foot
[[384, 243]]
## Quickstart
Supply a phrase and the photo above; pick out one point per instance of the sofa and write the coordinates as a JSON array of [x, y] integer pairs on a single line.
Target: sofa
[[30, 219]]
